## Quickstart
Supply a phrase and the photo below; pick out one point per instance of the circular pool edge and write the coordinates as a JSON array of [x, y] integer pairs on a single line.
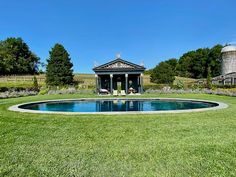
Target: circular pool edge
[[17, 108]]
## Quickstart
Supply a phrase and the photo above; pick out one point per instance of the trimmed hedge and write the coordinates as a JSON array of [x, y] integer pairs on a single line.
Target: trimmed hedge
[[17, 89]]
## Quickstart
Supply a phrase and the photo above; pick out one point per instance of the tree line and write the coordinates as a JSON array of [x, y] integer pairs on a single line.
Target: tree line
[[17, 58], [193, 64]]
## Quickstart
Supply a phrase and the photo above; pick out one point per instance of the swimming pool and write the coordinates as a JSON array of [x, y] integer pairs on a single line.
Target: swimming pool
[[117, 106]]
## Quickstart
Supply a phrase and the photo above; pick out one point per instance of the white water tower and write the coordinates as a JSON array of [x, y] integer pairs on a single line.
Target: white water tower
[[228, 63]]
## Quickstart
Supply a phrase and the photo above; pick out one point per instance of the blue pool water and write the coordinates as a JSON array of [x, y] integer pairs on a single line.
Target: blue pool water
[[119, 105]]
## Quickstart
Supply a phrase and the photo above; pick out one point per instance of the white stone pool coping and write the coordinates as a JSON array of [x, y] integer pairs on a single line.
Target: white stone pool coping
[[18, 109]]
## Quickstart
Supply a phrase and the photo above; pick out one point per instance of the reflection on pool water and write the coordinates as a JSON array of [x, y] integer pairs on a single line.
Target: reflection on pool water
[[117, 105]]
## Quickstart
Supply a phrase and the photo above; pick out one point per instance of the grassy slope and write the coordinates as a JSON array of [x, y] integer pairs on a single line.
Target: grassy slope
[[184, 80], [190, 144], [84, 79], [20, 81]]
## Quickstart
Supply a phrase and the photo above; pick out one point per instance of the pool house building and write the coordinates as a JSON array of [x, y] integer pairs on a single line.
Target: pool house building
[[119, 75]]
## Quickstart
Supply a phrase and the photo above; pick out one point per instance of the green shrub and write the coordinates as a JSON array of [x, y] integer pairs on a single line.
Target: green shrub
[[43, 91], [91, 87], [180, 84], [35, 83]]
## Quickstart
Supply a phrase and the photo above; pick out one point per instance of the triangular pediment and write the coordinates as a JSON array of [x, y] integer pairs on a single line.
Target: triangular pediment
[[119, 64]]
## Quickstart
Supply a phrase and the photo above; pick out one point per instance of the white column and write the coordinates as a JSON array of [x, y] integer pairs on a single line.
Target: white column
[[111, 83], [141, 83], [126, 83], [96, 81]]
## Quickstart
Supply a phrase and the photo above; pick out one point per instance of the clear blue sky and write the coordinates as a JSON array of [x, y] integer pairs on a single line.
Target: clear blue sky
[[142, 30]]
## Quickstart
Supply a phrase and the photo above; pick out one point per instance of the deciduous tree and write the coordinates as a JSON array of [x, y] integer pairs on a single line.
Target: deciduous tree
[[16, 57], [163, 74]]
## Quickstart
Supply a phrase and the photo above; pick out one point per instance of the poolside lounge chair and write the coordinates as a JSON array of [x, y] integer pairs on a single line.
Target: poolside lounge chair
[[103, 91], [122, 93], [115, 93], [131, 90]]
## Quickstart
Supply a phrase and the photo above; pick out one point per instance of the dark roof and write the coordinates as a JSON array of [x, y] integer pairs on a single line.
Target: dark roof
[[119, 65]]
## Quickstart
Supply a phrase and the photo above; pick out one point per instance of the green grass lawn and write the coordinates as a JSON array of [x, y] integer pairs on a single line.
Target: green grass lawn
[[186, 144]]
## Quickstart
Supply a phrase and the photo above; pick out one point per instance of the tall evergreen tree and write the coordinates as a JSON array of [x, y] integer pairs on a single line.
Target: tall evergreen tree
[[209, 84], [59, 69], [35, 83]]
